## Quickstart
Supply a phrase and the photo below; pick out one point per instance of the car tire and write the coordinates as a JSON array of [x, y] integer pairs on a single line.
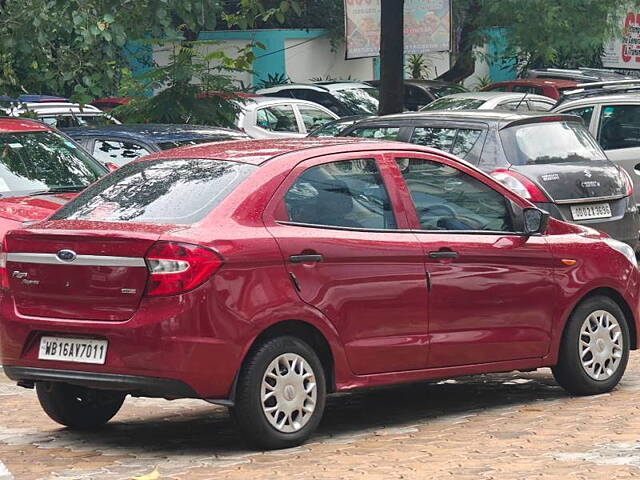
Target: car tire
[[594, 349], [281, 394], [78, 407]]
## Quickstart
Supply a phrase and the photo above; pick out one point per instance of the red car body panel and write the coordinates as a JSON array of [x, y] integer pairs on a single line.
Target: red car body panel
[[551, 88], [500, 306]]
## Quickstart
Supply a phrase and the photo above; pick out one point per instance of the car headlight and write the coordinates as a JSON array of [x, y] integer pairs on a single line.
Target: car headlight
[[623, 248]]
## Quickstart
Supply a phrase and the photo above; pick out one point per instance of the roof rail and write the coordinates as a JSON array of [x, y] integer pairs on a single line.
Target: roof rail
[[593, 89]]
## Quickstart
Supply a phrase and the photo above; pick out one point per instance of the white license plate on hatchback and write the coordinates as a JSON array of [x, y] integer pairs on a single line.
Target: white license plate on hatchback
[[594, 210], [79, 350]]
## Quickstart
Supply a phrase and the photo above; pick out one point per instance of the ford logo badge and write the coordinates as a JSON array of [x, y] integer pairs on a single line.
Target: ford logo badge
[[66, 255]]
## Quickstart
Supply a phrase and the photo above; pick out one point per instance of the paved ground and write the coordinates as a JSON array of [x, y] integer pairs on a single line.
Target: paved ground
[[508, 426]]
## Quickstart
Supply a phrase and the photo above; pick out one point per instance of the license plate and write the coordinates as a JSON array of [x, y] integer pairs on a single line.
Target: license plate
[[80, 350], [595, 210]]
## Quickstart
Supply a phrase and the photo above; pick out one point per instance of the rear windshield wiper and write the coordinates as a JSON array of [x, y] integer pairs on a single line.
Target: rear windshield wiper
[[68, 189]]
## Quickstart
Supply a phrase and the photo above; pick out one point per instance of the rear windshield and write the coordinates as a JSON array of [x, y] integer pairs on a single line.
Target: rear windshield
[[549, 142], [361, 101], [454, 103], [196, 141], [158, 191]]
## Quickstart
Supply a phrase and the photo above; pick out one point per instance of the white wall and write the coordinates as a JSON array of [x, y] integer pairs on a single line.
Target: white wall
[[310, 59]]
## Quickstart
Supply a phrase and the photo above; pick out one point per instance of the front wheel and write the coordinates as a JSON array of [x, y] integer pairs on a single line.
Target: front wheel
[[281, 393], [78, 407], [594, 349]]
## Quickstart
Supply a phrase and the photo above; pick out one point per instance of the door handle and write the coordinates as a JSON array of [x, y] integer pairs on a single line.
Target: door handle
[[310, 258], [443, 254]]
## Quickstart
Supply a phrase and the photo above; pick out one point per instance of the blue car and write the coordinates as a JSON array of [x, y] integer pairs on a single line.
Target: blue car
[[120, 144]]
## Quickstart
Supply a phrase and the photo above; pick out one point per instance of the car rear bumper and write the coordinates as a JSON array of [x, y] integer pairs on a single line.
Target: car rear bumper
[[624, 224], [172, 347], [134, 384]]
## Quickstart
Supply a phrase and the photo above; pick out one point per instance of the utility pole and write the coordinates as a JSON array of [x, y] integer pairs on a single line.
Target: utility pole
[[391, 57]]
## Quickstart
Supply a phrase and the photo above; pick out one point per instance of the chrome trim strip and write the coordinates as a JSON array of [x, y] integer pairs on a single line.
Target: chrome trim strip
[[80, 260], [589, 200]]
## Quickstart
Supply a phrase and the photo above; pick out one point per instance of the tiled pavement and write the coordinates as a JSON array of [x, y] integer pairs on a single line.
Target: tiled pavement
[[507, 426]]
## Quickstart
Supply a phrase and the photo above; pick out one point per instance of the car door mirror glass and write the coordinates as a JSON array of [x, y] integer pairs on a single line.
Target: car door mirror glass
[[534, 221]]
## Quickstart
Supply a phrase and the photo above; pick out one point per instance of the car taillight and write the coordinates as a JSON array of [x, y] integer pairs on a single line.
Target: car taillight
[[519, 184], [179, 267], [626, 178]]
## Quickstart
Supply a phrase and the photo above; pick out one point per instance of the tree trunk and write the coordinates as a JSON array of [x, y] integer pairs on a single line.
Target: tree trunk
[[465, 64], [391, 57]]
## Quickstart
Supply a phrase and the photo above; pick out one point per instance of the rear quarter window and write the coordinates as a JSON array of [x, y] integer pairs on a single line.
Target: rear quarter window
[[158, 191]]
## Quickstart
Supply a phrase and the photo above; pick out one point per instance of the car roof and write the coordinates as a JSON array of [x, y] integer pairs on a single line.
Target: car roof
[[499, 117], [421, 83], [335, 86], [15, 125], [287, 86], [539, 82], [56, 108], [257, 152], [153, 133], [494, 95], [621, 97]]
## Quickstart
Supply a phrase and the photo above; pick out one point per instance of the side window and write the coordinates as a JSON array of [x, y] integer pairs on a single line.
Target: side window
[[448, 199], [585, 113], [279, 118], [117, 152], [385, 133], [465, 141], [314, 117], [619, 126], [436, 137], [349, 193], [321, 98]]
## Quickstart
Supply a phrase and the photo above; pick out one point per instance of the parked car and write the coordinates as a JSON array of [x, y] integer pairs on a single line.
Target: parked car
[[263, 275], [567, 174], [119, 144], [267, 117], [552, 88], [333, 129], [418, 93], [58, 113], [613, 117], [40, 170], [109, 103], [522, 102], [581, 75], [342, 98]]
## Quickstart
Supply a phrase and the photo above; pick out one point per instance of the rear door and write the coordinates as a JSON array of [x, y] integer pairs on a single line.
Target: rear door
[[492, 290], [340, 229]]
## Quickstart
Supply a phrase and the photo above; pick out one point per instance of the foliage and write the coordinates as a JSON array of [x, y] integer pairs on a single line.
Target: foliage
[[483, 81], [418, 66], [273, 80]]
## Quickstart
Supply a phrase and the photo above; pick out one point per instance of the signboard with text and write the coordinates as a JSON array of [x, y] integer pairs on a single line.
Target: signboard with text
[[623, 52], [427, 27]]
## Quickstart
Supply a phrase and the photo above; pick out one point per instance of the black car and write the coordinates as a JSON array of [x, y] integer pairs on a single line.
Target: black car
[[120, 144], [333, 129], [550, 159], [418, 93]]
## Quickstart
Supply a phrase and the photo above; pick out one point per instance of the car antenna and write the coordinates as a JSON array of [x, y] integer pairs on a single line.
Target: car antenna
[[522, 100]]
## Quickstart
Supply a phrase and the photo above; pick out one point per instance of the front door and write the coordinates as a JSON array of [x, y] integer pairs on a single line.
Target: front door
[[492, 291], [336, 220]]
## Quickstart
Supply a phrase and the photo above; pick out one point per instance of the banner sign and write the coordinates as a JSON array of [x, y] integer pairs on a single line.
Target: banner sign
[[624, 52], [427, 27]]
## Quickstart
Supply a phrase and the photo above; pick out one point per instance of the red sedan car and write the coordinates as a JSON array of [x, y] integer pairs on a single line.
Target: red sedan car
[[40, 170], [551, 88], [264, 275]]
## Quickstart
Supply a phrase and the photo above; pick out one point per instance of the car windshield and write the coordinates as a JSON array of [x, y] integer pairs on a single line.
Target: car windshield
[[43, 162], [454, 103], [77, 120], [361, 101], [448, 90], [158, 191], [549, 142]]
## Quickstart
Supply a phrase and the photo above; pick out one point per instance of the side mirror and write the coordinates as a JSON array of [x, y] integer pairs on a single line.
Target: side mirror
[[534, 221], [112, 167]]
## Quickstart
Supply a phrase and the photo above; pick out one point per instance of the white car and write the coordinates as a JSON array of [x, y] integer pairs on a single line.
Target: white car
[[343, 98], [268, 117], [61, 114], [521, 102]]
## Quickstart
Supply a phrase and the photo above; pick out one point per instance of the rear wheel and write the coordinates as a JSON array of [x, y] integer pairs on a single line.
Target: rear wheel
[[594, 349], [281, 393], [78, 407]]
